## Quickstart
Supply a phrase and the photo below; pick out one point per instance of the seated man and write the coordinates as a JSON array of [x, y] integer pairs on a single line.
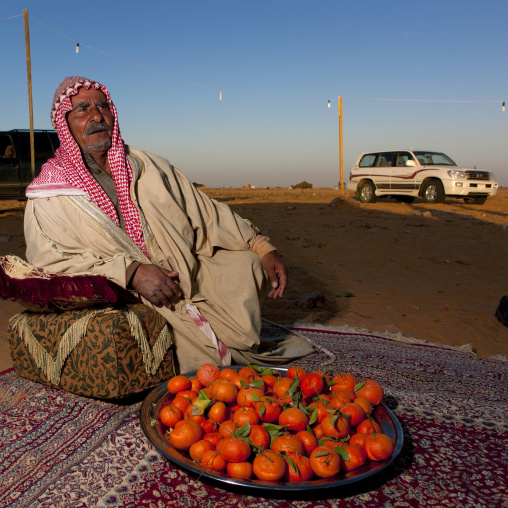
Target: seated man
[[102, 207]]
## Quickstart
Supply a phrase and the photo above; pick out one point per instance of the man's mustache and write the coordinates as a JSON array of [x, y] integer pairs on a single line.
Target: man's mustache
[[95, 127]]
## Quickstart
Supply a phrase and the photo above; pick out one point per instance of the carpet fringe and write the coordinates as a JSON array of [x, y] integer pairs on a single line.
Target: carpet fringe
[[398, 337]]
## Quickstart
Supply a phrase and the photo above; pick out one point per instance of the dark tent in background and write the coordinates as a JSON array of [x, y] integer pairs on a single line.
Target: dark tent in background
[[302, 185]]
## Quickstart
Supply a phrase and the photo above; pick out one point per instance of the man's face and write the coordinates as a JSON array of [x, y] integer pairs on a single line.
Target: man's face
[[91, 121]]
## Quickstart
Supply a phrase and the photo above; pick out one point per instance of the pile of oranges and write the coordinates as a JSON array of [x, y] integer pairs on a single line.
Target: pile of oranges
[[257, 423]]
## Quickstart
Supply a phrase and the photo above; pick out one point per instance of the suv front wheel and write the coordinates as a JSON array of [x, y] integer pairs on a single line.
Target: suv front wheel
[[367, 193], [433, 192]]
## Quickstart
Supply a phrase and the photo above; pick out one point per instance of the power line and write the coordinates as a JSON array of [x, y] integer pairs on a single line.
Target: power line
[[11, 17], [201, 85], [417, 100]]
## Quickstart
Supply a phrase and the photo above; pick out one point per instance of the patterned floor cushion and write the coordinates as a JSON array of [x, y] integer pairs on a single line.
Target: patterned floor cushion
[[105, 352]]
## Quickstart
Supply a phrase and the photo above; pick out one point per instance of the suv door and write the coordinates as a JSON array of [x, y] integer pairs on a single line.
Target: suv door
[[10, 184], [404, 175], [382, 172]]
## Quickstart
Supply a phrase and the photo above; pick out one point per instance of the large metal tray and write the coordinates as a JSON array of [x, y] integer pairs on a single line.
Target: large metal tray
[[154, 431]]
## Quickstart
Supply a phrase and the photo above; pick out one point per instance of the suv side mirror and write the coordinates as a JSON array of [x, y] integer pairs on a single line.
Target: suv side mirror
[[411, 163]]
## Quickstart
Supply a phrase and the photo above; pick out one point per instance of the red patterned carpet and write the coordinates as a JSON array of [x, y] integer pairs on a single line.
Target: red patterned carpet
[[62, 450]]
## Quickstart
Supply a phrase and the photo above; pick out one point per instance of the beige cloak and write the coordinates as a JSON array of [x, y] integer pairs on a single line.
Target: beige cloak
[[201, 239]]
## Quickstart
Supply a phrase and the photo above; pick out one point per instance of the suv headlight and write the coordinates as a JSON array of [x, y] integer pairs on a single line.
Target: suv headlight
[[457, 173], [492, 176]]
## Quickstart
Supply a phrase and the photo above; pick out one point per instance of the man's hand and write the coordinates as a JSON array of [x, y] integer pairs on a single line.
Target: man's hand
[[277, 273], [156, 285]]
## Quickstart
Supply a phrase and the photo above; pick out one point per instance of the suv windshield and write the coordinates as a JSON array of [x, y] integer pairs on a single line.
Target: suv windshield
[[434, 158]]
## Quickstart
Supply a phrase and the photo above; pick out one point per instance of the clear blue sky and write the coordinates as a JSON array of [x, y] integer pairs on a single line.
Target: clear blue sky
[[439, 66]]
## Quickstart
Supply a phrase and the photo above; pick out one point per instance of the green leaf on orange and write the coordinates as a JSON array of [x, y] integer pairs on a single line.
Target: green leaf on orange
[[243, 431], [293, 387], [291, 462], [359, 385], [255, 397], [343, 454], [313, 417]]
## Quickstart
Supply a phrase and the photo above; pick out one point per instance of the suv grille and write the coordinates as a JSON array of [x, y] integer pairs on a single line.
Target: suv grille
[[477, 175]]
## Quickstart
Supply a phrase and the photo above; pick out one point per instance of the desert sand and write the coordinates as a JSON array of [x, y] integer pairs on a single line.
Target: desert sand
[[434, 273]]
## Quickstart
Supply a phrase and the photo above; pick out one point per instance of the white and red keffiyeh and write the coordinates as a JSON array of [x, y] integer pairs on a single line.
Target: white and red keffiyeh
[[66, 173]]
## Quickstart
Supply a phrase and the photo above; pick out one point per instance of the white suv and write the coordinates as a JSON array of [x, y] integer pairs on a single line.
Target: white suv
[[406, 174]]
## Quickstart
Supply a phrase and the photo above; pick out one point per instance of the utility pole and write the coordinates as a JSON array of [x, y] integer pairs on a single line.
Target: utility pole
[[341, 153], [30, 103]]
